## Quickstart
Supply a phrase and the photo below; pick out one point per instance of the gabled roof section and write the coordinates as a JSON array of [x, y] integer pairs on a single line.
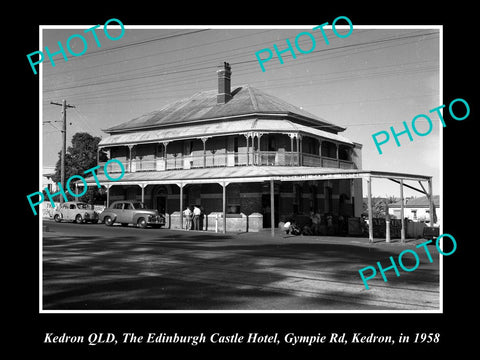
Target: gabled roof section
[[417, 202], [203, 106]]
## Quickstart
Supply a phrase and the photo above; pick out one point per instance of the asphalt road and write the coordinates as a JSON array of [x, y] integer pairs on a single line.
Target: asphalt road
[[95, 267]]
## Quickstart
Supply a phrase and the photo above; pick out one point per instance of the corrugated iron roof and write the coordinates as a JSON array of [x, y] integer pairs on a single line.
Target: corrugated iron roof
[[243, 173], [224, 173], [203, 106]]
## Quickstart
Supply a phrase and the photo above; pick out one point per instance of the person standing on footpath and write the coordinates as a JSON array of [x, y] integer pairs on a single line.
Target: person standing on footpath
[[196, 218], [188, 218]]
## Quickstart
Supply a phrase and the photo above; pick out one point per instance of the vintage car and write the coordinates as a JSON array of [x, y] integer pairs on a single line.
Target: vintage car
[[79, 212], [131, 212]]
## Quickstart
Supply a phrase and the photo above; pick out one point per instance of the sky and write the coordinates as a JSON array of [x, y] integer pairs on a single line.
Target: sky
[[373, 79]]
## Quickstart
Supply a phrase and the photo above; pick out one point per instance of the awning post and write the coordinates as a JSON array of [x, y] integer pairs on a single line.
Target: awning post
[[402, 215], [181, 205], [224, 206], [272, 208], [108, 194], [430, 202], [370, 212], [143, 191]]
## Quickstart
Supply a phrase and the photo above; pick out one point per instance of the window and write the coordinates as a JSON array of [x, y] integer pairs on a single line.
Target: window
[[272, 144], [118, 206], [297, 199], [188, 147], [138, 205], [72, 206], [128, 206], [343, 153], [329, 149]]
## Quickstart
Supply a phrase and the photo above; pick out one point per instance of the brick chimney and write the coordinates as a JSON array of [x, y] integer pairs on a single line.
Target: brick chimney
[[224, 92]]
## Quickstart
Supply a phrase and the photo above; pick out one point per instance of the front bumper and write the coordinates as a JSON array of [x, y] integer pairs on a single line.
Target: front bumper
[[155, 220], [90, 216]]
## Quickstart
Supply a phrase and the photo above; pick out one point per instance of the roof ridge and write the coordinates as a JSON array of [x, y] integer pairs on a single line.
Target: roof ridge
[[252, 97]]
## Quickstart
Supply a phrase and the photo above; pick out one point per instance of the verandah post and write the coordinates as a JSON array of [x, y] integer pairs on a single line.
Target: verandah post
[[402, 214], [370, 212], [272, 208]]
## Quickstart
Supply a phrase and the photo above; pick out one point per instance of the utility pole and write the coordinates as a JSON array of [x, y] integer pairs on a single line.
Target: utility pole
[[64, 106]]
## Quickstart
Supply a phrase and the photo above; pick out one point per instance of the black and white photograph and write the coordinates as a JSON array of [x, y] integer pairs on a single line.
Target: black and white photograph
[[242, 168], [217, 184]]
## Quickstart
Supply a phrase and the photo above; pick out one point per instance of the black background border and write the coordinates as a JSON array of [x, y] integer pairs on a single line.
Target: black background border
[[27, 328]]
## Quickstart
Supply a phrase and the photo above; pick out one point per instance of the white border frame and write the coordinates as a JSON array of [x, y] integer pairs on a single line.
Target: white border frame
[[243, 27]]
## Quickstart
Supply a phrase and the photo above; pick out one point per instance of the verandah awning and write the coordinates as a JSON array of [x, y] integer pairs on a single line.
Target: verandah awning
[[226, 175], [219, 129], [247, 174]]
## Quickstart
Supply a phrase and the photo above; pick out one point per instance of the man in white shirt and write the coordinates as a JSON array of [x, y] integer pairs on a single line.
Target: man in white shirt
[[188, 218], [196, 218]]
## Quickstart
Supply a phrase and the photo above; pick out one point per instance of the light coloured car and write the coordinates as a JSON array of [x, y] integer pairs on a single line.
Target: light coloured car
[[131, 212], [78, 212]]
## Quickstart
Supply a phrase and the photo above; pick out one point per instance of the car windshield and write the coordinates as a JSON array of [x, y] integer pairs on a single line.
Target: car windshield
[[138, 205], [84, 206]]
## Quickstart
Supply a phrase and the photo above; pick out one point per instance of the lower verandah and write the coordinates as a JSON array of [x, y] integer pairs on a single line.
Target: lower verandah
[[291, 198]]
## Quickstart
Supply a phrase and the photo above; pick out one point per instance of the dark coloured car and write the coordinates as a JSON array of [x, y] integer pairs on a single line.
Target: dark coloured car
[[131, 212]]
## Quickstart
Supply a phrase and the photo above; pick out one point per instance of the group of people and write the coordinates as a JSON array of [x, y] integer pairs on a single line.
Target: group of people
[[192, 217], [318, 225]]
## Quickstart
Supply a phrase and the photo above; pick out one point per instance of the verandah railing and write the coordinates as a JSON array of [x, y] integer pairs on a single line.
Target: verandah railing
[[259, 158]]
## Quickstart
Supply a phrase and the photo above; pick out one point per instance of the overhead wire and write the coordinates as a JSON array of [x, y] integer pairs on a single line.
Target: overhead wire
[[164, 73], [163, 53], [208, 67], [138, 43]]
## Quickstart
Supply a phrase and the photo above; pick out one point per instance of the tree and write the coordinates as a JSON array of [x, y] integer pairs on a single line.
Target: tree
[[379, 206], [81, 156]]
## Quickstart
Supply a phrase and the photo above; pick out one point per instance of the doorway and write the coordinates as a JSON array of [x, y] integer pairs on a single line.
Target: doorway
[[159, 198], [161, 204]]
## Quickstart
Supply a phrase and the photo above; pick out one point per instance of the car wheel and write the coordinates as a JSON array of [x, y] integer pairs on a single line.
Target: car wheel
[[78, 219], [57, 218], [142, 223], [108, 221]]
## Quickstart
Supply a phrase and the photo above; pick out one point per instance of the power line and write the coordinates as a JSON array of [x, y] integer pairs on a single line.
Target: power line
[[84, 120], [176, 71], [142, 42], [179, 66], [374, 42], [358, 73], [163, 52]]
